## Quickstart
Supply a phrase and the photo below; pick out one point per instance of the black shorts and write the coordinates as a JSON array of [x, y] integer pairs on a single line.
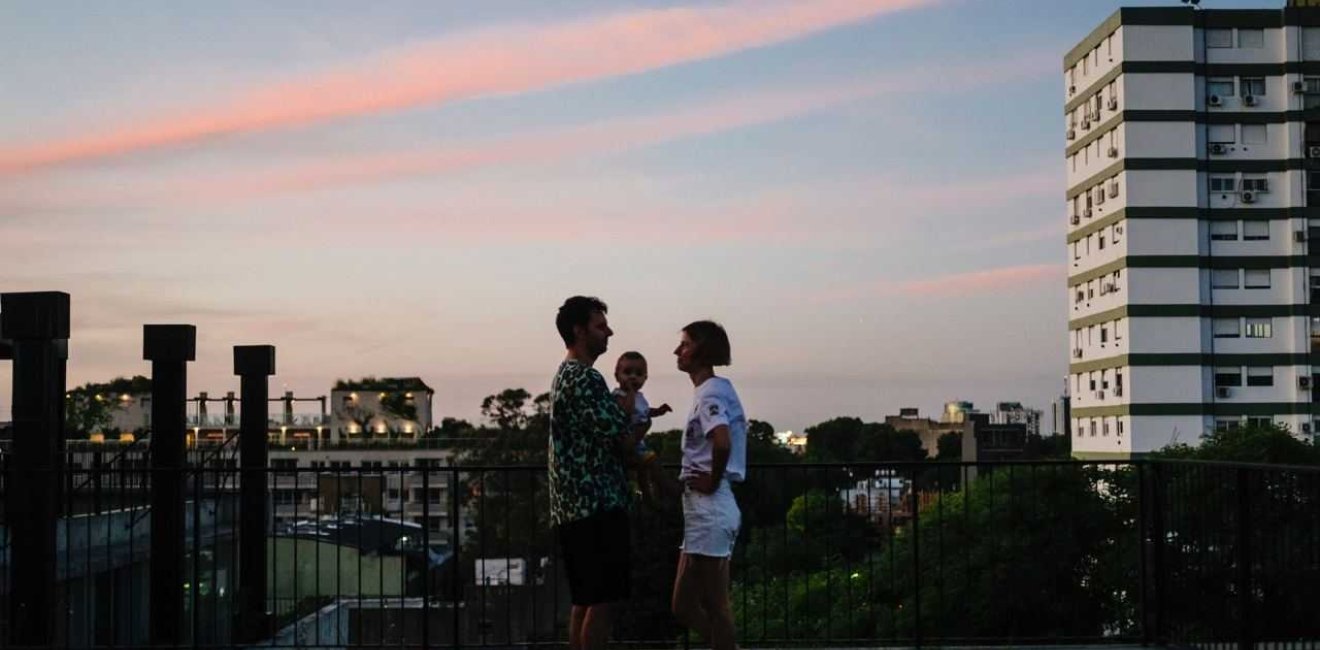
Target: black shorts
[[596, 552]]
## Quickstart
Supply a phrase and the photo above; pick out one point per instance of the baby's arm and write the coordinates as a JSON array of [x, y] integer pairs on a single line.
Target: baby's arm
[[659, 411]]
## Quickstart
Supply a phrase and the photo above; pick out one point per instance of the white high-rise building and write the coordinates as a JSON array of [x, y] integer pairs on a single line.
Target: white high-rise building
[[1191, 136]]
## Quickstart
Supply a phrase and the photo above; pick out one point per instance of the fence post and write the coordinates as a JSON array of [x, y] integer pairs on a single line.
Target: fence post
[[1158, 535], [1246, 637], [254, 364], [38, 326], [169, 348]]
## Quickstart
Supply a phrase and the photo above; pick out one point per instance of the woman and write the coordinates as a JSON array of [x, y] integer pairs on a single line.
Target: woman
[[714, 455]]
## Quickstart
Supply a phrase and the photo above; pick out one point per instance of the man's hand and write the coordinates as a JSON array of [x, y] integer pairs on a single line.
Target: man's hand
[[703, 483]]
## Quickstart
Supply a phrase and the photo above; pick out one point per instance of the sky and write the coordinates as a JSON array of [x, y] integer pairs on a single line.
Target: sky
[[866, 193]]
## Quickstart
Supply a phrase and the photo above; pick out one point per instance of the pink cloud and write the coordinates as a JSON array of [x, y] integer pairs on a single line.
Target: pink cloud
[[1008, 278], [488, 62]]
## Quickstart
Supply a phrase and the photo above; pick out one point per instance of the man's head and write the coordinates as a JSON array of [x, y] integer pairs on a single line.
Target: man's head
[[704, 345], [630, 370], [581, 323]]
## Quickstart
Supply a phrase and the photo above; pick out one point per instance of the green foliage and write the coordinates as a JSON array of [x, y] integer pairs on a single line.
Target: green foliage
[[850, 440], [949, 446], [1000, 538], [1254, 443], [90, 408]]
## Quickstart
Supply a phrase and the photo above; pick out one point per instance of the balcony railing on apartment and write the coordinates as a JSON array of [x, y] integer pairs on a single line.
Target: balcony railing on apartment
[[856, 554]]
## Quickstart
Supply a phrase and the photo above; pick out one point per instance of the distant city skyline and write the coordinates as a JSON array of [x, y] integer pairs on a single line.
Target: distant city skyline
[[867, 193]]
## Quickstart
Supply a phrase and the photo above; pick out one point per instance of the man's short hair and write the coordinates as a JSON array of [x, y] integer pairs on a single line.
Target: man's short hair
[[712, 343], [575, 312]]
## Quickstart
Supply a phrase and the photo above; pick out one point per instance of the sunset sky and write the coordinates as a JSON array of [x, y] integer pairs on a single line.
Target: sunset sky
[[867, 193]]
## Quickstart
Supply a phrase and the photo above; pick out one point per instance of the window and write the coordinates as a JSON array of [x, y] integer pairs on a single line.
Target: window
[[1219, 38], [1257, 279], [1254, 133], [1255, 230], [1228, 377], [1260, 376], [1224, 230], [1227, 328], [1251, 38], [1256, 184], [1226, 424], [1091, 377], [1221, 133], [284, 463], [1076, 251], [1222, 86], [1102, 241], [1258, 422], [1223, 184], [1312, 181], [1104, 334], [1120, 428], [1253, 86], [1260, 328], [1090, 289], [1118, 336], [1118, 233], [1224, 278]]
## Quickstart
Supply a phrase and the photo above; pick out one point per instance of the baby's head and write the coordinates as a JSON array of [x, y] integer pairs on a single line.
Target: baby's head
[[631, 370]]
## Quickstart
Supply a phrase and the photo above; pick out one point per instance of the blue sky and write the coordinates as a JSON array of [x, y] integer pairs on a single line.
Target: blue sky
[[866, 192]]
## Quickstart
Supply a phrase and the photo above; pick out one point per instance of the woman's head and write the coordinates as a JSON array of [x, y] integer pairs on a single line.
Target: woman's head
[[704, 345]]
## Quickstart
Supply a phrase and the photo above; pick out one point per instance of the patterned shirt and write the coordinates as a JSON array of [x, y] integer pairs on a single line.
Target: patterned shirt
[[586, 474]]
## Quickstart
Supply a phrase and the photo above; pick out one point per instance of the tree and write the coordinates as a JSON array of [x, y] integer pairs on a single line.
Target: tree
[[880, 442], [833, 440], [949, 446], [90, 408], [508, 409]]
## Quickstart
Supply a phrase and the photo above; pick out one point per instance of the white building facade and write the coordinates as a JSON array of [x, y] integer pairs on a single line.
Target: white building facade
[[1190, 143]]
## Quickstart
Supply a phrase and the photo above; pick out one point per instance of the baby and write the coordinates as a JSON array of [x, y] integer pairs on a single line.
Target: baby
[[630, 372]]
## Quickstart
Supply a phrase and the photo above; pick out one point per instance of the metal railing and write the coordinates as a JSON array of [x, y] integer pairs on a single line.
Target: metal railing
[[857, 554]]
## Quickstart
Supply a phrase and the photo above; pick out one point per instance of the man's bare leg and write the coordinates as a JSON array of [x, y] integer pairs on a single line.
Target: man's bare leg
[[576, 615], [686, 602], [597, 626]]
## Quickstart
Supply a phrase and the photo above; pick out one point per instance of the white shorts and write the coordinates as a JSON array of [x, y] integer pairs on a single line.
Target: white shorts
[[710, 522]]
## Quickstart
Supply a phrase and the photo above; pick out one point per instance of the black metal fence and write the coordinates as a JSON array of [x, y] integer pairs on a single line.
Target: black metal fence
[[859, 554]]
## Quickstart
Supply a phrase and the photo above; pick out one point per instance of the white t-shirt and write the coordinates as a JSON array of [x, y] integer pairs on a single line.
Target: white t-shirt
[[642, 411], [715, 403]]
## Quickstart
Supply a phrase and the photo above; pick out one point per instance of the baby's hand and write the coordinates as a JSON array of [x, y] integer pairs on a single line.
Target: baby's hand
[[661, 410]]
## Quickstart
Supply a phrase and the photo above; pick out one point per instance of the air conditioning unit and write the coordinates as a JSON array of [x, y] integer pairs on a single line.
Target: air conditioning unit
[[1304, 383], [1306, 427], [1222, 392], [1072, 134], [1075, 220], [1077, 353], [1218, 149], [1111, 288], [1086, 123], [1072, 90], [1299, 236], [1113, 152], [1113, 190], [1118, 392], [1313, 151], [1100, 196], [1248, 197], [1113, 103], [1118, 230], [1086, 213], [1249, 100], [1299, 86], [1214, 100], [1099, 394]]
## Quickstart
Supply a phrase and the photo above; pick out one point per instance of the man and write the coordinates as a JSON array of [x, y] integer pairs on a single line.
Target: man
[[589, 497]]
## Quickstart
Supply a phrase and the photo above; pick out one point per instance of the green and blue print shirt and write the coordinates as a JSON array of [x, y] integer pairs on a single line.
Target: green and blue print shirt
[[586, 474]]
